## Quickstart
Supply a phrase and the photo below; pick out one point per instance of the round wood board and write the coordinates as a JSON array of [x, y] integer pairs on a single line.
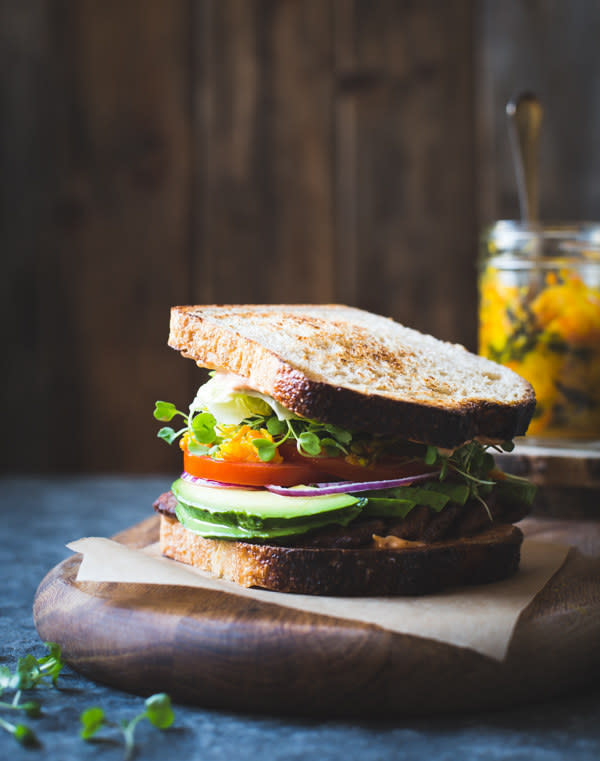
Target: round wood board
[[220, 650]]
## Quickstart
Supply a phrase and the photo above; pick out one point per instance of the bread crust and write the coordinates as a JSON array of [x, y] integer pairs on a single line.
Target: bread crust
[[414, 569], [202, 334]]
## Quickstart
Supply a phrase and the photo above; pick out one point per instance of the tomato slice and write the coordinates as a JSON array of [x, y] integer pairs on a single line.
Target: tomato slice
[[250, 473], [295, 469]]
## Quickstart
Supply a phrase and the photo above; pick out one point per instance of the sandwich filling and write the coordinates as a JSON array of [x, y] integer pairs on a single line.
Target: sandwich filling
[[255, 471]]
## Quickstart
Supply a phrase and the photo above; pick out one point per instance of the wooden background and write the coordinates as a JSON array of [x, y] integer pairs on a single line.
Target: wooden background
[[159, 152]]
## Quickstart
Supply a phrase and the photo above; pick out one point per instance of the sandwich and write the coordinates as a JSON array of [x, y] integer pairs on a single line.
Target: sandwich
[[337, 452]]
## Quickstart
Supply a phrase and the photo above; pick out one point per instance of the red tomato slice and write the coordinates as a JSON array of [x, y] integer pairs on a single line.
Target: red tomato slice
[[295, 469], [250, 473]]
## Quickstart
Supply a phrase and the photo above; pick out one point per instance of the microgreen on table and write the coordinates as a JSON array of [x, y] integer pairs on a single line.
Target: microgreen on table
[[157, 711], [31, 673]]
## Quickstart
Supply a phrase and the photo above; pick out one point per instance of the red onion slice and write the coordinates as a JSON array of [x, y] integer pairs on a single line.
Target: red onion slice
[[343, 487]]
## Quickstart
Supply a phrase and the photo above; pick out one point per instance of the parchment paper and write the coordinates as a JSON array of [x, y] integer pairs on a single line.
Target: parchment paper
[[481, 618]]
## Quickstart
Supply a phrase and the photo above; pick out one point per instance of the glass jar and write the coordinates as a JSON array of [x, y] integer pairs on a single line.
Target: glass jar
[[539, 314]]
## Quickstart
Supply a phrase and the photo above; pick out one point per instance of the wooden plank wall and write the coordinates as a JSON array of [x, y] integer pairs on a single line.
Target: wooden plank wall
[[549, 47], [155, 153]]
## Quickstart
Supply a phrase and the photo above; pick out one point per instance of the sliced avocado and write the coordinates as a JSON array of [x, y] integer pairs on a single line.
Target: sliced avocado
[[257, 502], [207, 524], [255, 523], [257, 513]]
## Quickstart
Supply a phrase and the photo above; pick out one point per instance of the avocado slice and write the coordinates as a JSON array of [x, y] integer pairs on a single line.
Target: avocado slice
[[210, 526], [257, 513]]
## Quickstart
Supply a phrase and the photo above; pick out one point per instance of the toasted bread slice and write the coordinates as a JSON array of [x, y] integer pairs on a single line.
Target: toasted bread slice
[[407, 568], [355, 369]]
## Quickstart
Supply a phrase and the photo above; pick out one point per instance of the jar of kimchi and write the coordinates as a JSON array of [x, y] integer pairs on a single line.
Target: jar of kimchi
[[539, 314]]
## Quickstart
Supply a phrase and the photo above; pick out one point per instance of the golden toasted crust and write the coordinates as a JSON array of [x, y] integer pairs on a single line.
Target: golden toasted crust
[[359, 370], [412, 569]]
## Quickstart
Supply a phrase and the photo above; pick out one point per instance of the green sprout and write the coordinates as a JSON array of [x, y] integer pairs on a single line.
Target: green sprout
[[157, 711], [313, 439], [28, 674], [21, 733]]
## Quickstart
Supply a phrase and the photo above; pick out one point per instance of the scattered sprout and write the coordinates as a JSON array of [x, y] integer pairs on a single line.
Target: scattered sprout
[[157, 711]]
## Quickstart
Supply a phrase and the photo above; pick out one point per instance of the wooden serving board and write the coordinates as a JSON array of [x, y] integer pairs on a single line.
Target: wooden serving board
[[221, 650]]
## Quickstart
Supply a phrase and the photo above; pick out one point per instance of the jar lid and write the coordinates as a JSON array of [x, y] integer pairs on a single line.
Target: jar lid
[[560, 240]]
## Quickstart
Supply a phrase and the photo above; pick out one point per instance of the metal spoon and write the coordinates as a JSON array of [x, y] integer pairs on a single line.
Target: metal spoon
[[524, 122]]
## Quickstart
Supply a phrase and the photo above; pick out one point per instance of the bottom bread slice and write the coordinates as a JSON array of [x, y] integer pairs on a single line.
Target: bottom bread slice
[[413, 569]]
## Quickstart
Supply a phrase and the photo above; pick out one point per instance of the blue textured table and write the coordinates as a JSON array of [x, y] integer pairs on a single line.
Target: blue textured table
[[40, 515]]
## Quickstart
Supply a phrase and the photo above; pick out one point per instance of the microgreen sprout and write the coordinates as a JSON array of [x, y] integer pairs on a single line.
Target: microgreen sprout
[[266, 449], [21, 732], [473, 463], [28, 674], [30, 671], [165, 412], [157, 711], [313, 439], [30, 708]]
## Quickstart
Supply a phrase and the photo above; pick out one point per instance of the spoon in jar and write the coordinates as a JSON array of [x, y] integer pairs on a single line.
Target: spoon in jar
[[524, 123]]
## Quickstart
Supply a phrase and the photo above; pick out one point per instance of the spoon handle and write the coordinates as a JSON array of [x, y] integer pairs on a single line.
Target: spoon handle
[[525, 120]]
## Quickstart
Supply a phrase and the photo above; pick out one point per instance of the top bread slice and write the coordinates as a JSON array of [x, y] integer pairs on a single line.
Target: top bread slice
[[359, 370]]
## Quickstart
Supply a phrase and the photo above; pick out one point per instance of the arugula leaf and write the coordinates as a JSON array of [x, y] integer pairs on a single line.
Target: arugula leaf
[[436, 500], [388, 507], [400, 500], [473, 464], [431, 456], [456, 492]]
